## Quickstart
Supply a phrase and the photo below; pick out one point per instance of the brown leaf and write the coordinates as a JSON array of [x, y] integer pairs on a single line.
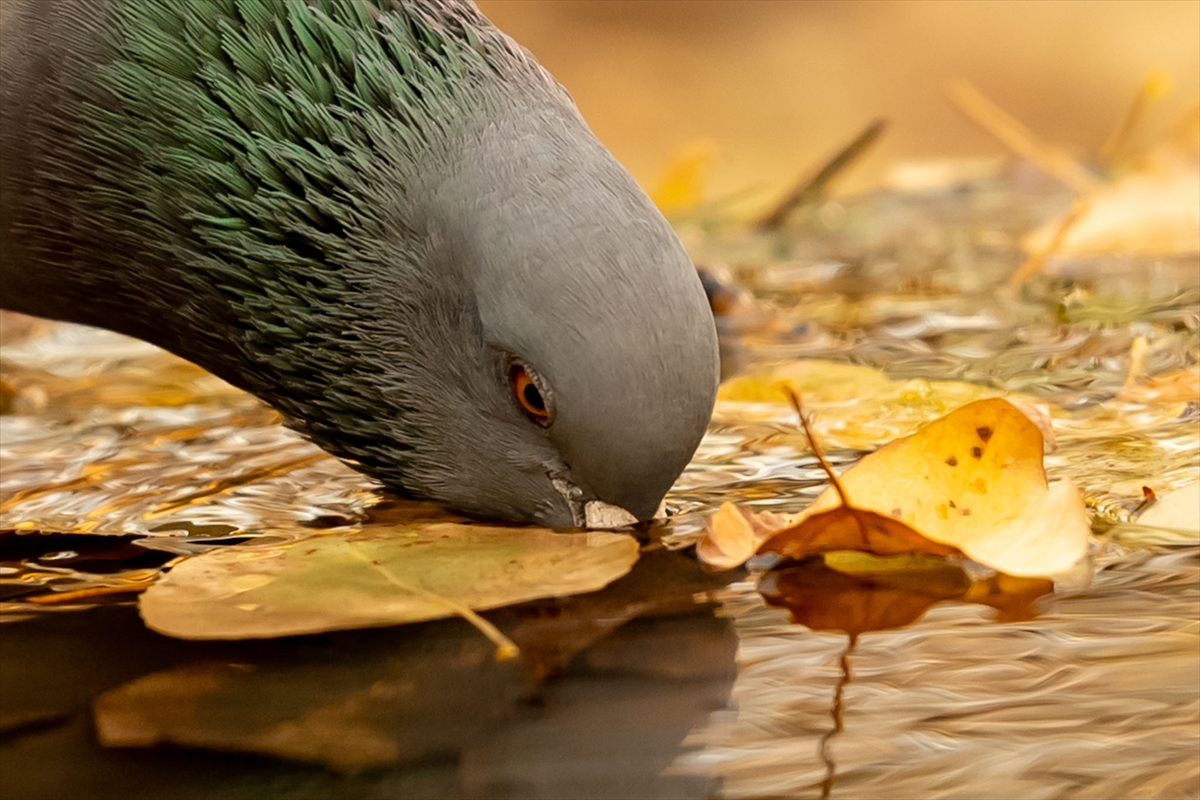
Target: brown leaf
[[849, 528]]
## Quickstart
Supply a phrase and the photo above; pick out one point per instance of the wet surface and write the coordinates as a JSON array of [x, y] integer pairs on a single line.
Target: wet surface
[[674, 681]]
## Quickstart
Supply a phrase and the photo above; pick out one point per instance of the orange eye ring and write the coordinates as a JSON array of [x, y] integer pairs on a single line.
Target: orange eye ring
[[528, 395]]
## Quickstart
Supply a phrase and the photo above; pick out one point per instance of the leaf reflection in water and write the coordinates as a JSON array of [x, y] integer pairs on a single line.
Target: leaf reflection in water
[[859, 593], [864, 593], [1095, 697]]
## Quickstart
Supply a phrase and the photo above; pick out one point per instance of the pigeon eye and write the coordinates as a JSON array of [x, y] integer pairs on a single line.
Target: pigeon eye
[[528, 395]]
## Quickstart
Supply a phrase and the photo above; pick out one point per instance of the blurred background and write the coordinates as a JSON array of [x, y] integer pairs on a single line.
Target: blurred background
[[771, 88]]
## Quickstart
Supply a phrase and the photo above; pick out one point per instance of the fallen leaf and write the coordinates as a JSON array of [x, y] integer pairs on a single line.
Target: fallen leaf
[[818, 382], [733, 536], [972, 481], [1152, 209], [380, 576], [850, 528], [681, 185]]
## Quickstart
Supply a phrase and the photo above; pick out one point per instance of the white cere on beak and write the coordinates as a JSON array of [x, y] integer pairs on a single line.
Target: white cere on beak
[[598, 514]]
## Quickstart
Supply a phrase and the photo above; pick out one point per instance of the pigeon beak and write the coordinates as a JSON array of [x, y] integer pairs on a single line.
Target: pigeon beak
[[599, 514]]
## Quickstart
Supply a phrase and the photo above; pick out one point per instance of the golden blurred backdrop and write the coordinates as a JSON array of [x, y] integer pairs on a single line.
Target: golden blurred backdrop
[[777, 86]]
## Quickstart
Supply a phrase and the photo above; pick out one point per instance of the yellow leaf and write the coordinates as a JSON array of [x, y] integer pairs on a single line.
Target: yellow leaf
[[972, 481], [680, 187]]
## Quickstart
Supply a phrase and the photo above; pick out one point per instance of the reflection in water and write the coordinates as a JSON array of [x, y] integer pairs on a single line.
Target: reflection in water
[[609, 685], [838, 719], [877, 594], [1097, 697]]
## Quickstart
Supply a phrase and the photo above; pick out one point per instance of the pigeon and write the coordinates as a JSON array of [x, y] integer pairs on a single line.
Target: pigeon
[[381, 217]]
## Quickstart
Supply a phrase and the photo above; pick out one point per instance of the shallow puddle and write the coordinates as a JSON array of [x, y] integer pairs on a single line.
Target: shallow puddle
[[117, 460]]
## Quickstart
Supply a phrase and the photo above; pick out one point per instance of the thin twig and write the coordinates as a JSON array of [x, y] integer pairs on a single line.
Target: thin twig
[[1137, 364], [1020, 139], [1033, 265], [812, 443], [1154, 88], [812, 188]]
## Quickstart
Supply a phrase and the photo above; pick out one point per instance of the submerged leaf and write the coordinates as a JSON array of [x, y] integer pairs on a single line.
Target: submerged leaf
[[381, 576], [855, 406]]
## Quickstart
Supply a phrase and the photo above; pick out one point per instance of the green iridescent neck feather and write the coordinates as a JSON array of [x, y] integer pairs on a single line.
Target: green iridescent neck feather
[[247, 128]]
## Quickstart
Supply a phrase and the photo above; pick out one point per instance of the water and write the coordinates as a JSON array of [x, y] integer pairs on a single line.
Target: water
[[119, 459]]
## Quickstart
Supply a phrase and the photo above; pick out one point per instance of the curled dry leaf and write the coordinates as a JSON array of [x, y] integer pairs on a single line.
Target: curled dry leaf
[[733, 536], [849, 528], [386, 575], [971, 481]]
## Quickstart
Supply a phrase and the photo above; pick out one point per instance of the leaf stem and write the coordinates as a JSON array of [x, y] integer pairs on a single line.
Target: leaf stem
[[812, 442], [505, 648]]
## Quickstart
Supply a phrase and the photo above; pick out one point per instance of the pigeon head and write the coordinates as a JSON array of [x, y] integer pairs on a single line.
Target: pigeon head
[[582, 361], [530, 333]]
